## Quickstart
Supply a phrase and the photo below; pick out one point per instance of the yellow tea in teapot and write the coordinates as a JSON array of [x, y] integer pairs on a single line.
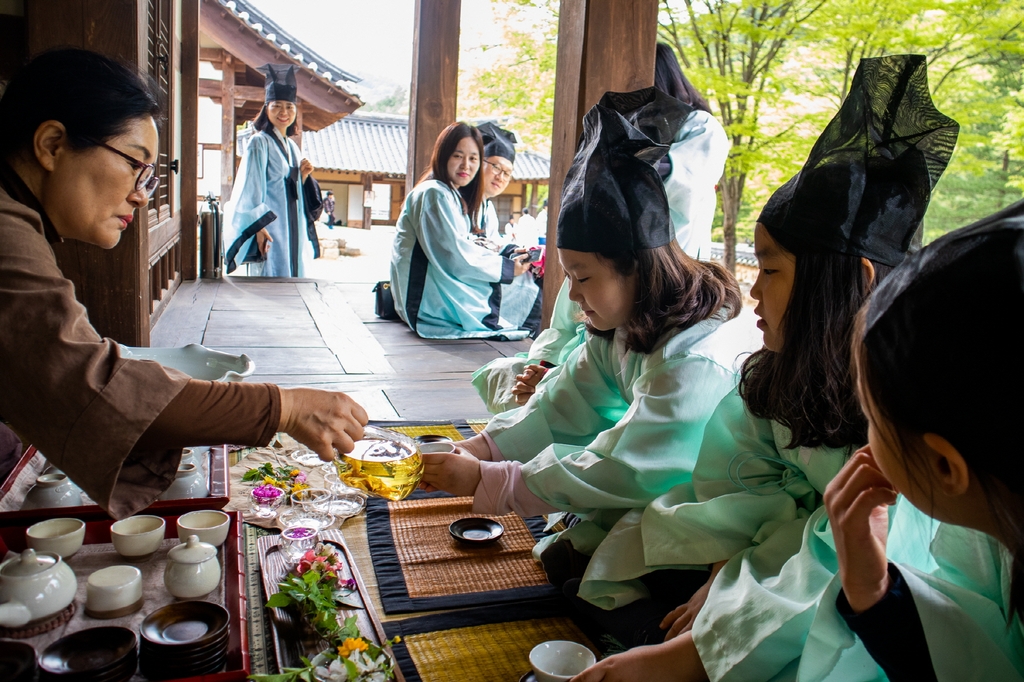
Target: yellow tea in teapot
[[385, 464]]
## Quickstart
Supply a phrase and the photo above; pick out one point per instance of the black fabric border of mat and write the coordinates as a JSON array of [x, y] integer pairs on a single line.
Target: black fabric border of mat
[[394, 593], [484, 615]]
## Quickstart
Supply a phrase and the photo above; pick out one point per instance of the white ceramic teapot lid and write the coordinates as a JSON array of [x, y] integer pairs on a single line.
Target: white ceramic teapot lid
[[30, 563], [192, 551]]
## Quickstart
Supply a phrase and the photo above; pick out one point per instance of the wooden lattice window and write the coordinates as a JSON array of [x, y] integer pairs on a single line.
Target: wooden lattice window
[[159, 58]]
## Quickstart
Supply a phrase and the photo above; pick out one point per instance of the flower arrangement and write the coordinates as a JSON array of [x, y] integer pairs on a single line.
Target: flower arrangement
[[288, 479], [317, 589]]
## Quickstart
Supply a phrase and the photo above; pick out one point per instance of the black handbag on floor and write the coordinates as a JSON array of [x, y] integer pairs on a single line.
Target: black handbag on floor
[[384, 303]]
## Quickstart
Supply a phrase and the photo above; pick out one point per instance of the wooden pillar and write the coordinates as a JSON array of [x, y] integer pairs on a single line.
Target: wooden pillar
[[111, 283], [602, 45], [298, 125], [367, 210], [227, 128], [534, 193], [435, 76], [189, 137]]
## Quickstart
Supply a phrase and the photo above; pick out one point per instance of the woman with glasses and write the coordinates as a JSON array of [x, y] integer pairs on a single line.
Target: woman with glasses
[[267, 226], [76, 161], [445, 285]]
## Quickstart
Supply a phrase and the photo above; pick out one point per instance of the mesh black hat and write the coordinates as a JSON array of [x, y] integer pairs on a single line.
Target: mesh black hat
[[280, 82], [613, 199], [948, 322], [866, 184], [498, 141]]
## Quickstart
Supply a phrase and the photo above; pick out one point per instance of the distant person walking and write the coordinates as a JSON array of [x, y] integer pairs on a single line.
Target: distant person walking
[[329, 208]]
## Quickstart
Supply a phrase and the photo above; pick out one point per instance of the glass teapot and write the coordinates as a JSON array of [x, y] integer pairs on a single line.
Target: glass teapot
[[384, 463]]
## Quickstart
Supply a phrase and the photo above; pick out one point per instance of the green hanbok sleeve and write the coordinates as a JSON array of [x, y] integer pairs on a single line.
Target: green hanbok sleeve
[[613, 430]]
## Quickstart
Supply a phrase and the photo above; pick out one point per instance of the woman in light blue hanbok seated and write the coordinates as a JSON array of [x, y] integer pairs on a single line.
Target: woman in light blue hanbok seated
[[937, 434], [267, 226], [754, 508], [445, 286], [690, 171]]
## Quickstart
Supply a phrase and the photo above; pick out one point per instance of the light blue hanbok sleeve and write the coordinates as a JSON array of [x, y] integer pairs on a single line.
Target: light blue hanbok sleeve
[[248, 201], [444, 241], [698, 156], [613, 430]]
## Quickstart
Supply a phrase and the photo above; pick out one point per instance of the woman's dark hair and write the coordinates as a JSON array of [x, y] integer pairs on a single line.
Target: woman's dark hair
[[263, 124], [674, 291], [670, 79], [473, 193], [922, 390], [806, 386], [95, 97]]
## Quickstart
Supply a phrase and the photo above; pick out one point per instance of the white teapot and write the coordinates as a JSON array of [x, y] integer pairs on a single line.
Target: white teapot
[[192, 569], [33, 586]]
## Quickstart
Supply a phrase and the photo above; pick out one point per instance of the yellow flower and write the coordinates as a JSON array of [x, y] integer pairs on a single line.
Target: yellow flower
[[269, 480], [350, 645], [299, 486], [398, 639], [294, 472]]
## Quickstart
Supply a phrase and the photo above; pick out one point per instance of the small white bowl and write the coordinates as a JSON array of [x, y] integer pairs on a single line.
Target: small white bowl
[[113, 592], [138, 537], [429, 448], [560, 660], [210, 526], [60, 536]]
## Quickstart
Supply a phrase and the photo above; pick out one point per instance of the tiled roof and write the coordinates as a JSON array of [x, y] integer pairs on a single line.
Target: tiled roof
[[379, 143], [282, 40]]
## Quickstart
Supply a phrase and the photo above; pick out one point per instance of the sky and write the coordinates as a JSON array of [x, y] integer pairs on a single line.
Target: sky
[[373, 38]]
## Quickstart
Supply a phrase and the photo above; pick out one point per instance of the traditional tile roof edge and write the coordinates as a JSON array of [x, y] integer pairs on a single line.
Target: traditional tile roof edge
[[372, 142], [284, 41]]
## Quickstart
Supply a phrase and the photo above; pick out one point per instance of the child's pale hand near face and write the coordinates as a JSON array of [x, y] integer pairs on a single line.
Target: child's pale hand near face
[[454, 473], [526, 383], [857, 501]]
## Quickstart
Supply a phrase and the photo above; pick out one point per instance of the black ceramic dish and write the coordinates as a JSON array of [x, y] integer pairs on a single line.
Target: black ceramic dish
[[17, 661], [95, 653], [433, 438], [186, 625], [476, 531]]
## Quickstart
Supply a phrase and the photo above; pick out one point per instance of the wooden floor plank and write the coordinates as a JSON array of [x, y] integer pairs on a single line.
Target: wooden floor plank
[[442, 359], [342, 331], [264, 338], [185, 318], [289, 360]]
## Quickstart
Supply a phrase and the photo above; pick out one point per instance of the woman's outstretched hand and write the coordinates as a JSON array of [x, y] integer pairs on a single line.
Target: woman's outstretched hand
[[857, 501], [324, 421], [451, 472]]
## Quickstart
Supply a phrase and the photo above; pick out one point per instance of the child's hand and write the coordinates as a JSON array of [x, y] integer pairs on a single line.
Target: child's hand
[[669, 662], [857, 501], [526, 383], [452, 472], [476, 446], [681, 618]]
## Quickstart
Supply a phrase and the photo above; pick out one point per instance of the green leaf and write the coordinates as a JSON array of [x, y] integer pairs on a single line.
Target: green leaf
[[279, 600], [351, 669]]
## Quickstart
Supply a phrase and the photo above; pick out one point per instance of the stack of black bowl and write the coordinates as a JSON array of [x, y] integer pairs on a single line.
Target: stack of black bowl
[[184, 639], [17, 661], [106, 654]]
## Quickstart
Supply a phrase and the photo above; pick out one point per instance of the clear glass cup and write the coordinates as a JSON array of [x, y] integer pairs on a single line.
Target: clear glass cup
[[313, 499], [347, 501], [306, 458], [295, 541], [264, 501]]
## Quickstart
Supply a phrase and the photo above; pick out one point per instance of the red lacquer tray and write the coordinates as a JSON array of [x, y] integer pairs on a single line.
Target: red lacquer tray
[[218, 498], [233, 571]]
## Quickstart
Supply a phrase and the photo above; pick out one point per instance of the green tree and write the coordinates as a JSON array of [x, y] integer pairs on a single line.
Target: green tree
[[395, 103]]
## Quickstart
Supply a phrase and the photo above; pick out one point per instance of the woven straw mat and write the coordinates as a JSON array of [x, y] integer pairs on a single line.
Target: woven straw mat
[[435, 564]]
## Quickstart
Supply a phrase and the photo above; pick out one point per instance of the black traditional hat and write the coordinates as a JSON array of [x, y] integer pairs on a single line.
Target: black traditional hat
[[498, 141], [613, 199], [280, 82], [961, 298], [866, 184]]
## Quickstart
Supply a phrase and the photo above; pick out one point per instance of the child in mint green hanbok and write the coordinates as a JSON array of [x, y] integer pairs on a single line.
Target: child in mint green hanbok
[[620, 422], [935, 436], [754, 507]]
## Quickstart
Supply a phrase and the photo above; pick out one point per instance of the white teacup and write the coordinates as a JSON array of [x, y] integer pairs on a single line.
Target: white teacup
[[137, 537], [430, 448], [60, 536], [210, 526], [560, 661], [113, 592]]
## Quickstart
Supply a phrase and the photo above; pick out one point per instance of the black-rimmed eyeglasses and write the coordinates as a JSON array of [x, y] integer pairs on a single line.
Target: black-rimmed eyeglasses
[[499, 171], [148, 179]]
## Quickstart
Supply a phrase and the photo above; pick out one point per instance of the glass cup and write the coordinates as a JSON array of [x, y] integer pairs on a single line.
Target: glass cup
[[313, 499], [347, 501], [306, 458], [264, 501], [295, 541]]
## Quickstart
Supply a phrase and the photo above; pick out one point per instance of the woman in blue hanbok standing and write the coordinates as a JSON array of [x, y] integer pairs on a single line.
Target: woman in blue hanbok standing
[[267, 226], [446, 286]]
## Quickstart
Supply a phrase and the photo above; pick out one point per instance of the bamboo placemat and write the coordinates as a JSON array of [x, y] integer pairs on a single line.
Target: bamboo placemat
[[477, 425], [483, 644], [420, 567]]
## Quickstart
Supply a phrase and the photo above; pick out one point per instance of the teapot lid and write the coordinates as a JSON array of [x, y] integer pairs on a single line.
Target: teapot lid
[[192, 551], [29, 563]]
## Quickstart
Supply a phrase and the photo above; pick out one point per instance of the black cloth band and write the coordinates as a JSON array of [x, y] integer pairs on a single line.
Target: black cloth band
[[252, 255]]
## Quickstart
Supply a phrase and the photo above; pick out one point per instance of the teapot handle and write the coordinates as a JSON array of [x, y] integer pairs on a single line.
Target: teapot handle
[[14, 614]]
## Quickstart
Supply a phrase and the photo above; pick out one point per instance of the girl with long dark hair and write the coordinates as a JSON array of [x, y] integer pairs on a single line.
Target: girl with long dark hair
[[444, 285], [620, 422], [936, 435], [754, 511]]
